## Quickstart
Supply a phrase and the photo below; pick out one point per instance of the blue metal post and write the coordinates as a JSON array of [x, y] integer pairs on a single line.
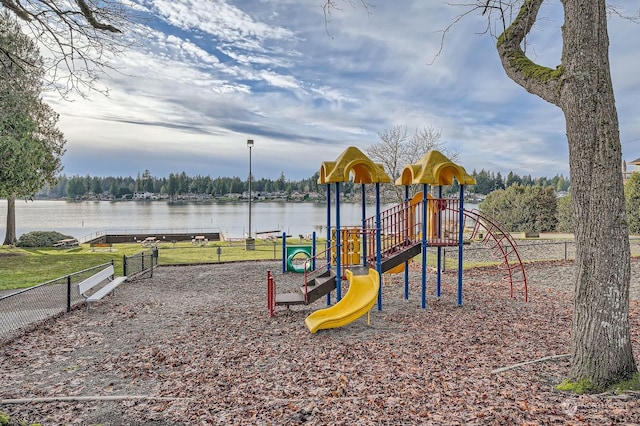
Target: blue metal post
[[338, 247], [424, 245], [313, 251], [406, 225], [328, 244], [284, 252], [363, 249], [439, 272], [460, 242], [379, 245]]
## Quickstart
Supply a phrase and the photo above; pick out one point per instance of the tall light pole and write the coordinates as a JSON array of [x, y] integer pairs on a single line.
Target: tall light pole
[[250, 244]]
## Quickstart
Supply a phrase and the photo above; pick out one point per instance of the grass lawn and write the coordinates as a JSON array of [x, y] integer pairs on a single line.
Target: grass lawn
[[23, 268]]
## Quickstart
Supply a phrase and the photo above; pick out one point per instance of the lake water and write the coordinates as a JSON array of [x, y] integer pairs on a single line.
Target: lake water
[[86, 219]]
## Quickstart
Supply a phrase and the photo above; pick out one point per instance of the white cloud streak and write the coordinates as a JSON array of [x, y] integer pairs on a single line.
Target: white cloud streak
[[210, 74]]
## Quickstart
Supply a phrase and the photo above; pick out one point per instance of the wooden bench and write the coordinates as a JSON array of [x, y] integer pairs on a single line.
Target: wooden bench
[[106, 274], [99, 246]]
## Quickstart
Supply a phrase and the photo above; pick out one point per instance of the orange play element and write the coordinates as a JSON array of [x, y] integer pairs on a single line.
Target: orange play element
[[396, 269], [432, 212], [350, 238]]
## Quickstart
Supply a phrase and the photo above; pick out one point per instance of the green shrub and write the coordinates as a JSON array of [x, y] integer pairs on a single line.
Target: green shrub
[[40, 239], [565, 214], [521, 208], [632, 198]]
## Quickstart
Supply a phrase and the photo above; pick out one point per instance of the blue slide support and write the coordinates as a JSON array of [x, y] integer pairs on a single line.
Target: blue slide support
[[406, 264], [460, 243], [338, 246], [328, 244], [363, 250], [379, 244], [424, 245], [284, 252], [439, 267]]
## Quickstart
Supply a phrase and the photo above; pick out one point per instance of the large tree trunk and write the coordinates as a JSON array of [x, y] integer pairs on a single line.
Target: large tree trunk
[[581, 86], [10, 236], [600, 334]]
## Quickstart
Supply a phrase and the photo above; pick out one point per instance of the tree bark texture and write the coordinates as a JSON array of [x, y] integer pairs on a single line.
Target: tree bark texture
[[10, 236], [581, 86]]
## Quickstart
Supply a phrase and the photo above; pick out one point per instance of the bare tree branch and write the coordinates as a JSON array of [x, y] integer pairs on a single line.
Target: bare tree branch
[[330, 5], [77, 37]]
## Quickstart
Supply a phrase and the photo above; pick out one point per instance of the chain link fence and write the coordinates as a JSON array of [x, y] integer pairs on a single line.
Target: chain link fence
[[140, 264], [25, 309]]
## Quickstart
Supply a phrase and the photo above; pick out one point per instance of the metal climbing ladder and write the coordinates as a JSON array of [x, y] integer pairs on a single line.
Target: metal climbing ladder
[[502, 247]]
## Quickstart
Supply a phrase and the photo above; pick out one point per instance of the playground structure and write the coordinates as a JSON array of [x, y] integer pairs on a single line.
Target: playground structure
[[387, 241]]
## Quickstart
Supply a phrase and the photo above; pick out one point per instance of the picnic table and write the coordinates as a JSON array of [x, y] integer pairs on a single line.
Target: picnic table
[[199, 240], [149, 241], [66, 243]]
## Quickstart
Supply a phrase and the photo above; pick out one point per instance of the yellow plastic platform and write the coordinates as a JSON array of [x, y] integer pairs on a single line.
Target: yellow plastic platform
[[362, 295]]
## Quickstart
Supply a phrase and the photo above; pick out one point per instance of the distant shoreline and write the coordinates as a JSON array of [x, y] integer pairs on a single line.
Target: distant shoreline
[[472, 200]]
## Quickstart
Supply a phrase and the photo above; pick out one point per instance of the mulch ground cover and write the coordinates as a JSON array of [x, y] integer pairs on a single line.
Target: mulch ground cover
[[195, 345]]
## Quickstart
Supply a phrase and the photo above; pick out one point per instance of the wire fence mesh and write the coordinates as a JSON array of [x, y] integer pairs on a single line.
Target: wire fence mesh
[[26, 307], [23, 309]]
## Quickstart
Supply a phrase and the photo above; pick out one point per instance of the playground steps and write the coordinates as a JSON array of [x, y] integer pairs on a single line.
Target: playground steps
[[316, 288], [321, 286], [289, 299]]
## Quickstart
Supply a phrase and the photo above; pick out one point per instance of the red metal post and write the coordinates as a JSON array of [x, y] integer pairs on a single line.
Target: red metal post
[[271, 293]]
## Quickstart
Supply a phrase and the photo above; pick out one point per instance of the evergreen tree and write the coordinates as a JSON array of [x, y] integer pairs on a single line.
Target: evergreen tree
[[512, 179], [96, 186], [75, 187], [31, 146], [113, 189]]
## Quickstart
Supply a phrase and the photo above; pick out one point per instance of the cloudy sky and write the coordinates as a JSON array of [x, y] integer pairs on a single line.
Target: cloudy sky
[[209, 75]]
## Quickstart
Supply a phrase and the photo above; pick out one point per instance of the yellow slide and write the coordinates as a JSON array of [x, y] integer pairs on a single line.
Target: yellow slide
[[362, 295]]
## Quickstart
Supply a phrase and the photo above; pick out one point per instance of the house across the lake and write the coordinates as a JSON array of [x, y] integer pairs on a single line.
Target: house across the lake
[[635, 168]]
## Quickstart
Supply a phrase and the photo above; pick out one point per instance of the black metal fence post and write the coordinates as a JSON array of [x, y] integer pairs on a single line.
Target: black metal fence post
[[124, 266], [68, 293], [154, 257]]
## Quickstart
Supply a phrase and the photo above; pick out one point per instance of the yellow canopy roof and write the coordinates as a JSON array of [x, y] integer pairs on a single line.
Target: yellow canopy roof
[[352, 160], [434, 169]]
